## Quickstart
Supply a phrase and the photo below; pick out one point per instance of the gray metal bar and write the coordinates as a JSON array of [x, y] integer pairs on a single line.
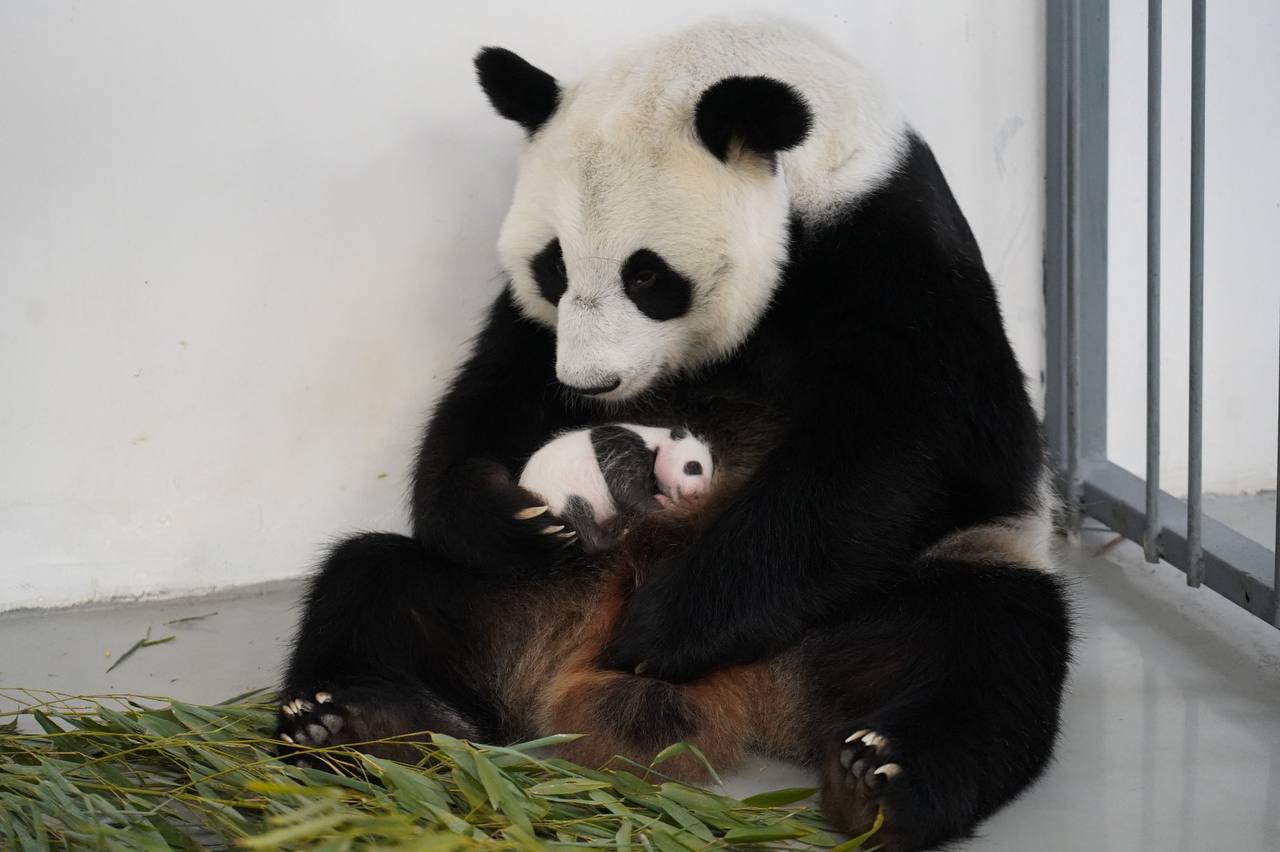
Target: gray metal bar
[[1077, 45], [1151, 536], [1055, 231], [1235, 567], [1195, 443], [1091, 234], [1275, 580], [1073, 267]]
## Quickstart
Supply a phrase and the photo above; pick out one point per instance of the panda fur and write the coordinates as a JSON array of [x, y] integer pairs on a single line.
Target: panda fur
[[587, 477], [731, 228]]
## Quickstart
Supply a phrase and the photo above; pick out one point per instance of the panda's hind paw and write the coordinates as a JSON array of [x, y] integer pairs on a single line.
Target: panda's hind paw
[[310, 719], [868, 759]]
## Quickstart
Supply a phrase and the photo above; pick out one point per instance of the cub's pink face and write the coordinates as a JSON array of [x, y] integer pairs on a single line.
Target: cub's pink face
[[683, 468]]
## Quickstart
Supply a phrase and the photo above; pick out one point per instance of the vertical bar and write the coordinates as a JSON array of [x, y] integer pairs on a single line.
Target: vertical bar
[[1275, 580], [1073, 266], [1151, 536], [1055, 236], [1195, 444]]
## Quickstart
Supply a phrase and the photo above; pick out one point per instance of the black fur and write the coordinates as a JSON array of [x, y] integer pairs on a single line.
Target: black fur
[[580, 517], [627, 466], [657, 290], [518, 91], [895, 414], [763, 114], [548, 270]]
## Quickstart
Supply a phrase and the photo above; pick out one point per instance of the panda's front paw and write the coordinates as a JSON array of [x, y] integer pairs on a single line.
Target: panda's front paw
[[651, 643], [538, 521]]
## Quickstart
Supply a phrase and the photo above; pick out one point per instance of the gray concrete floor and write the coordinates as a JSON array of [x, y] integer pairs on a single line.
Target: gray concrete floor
[[1171, 735], [1251, 515]]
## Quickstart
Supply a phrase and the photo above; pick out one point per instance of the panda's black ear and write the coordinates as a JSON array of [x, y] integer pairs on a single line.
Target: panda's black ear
[[759, 113], [517, 90]]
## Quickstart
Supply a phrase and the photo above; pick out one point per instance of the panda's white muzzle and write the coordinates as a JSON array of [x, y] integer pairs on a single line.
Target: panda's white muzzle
[[603, 347]]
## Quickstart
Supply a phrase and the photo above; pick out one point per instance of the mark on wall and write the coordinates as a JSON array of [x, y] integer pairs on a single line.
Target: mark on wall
[[1004, 136]]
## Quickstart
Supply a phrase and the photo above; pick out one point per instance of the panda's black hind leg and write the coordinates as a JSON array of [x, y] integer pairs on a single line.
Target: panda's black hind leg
[[939, 698], [386, 648]]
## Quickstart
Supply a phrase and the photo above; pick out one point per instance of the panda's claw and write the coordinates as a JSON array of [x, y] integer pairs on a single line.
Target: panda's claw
[[889, 771], [864, 760], [303, 723], [552, 529], [531, 513]]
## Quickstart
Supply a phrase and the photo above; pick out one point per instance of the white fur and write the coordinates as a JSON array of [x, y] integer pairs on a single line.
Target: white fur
[[619, 167], [1025, 539], [567, 466], [668, 468]]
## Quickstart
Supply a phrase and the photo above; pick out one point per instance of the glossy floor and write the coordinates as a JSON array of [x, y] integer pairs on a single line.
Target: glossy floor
[[1171, 737]]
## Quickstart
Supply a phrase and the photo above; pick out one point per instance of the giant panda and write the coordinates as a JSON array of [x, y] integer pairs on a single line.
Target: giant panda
[[729, 228]]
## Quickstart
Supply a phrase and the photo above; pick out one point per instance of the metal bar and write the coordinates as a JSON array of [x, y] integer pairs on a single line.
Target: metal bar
[[1275, 580], [1236, 567], [1195, 443], [1076, 95], [1073, 267], [1151, 537], [1055, 231]]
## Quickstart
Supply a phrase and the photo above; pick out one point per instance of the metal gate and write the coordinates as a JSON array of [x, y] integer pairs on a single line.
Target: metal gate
[[1168, 528]]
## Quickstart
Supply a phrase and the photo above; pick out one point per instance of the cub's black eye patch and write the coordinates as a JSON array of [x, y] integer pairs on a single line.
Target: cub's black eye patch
[[693, 468], [548, 271], [679, 433], [657, 290]]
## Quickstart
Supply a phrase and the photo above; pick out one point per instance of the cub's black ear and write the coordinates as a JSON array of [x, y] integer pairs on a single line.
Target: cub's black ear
[[517, 90], [760, 113]]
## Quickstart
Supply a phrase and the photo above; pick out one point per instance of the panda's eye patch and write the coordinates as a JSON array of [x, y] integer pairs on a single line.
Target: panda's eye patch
[[693, 468], [657, 290], [548, 271], [643, 277]]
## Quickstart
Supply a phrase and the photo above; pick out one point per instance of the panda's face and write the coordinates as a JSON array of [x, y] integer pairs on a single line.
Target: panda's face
[[683, 467], [647, 234], [647, 258]]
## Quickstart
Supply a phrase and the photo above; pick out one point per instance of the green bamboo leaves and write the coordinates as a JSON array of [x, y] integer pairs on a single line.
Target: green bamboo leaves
[[127, 772]]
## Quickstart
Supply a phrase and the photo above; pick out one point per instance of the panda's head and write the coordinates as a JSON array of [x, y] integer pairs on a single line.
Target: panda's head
[[650, 219], [683, 466]]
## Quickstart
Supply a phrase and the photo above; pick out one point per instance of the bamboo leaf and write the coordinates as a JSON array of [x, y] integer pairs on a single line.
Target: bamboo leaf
[[766, 834], [778, 798], [566, 786]]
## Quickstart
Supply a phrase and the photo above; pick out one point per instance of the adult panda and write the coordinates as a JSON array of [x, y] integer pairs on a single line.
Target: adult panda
[[731, 229]]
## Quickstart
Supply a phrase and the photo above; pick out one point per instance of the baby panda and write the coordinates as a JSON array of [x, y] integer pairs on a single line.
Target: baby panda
[[589, 476]]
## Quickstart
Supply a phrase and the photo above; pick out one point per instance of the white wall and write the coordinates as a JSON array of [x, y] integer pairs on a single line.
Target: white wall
[[1242, 228], [242, 245]]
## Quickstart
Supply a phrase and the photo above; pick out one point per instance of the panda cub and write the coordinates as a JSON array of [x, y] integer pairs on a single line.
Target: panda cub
[[587, 477]]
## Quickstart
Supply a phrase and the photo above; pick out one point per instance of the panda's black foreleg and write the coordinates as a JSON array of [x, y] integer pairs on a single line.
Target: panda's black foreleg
[[939, 698], [385, 648]]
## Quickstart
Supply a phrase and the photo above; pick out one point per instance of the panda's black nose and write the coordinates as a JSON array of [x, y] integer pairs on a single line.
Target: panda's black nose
[[610, 384], [693, 468]]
